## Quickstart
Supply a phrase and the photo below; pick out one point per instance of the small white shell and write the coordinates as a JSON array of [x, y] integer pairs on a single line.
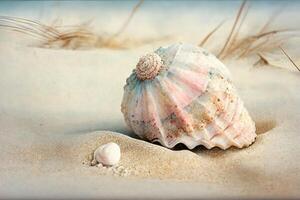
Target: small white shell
[[108, 154]]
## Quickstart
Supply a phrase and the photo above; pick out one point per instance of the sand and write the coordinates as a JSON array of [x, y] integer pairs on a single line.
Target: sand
[[57, 106]]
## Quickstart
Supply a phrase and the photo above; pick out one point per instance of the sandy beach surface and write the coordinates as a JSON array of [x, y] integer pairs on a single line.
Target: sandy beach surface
[[57, 106]]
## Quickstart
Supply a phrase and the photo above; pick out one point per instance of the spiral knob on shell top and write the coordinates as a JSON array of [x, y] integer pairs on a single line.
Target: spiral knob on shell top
[[148, 66]]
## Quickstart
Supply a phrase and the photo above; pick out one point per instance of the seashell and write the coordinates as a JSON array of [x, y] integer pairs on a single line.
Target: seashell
[[186, 96], [108, 154]]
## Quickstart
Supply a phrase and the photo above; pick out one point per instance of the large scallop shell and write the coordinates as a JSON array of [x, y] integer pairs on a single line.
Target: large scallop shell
[[183, 94]]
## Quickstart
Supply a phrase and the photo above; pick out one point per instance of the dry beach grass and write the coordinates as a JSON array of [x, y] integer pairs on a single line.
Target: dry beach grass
[[265, 40], [80, 36], [76, 36]]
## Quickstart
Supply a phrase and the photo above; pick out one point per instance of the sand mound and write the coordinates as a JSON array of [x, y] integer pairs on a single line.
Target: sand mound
[[143, 159], [69, 158]]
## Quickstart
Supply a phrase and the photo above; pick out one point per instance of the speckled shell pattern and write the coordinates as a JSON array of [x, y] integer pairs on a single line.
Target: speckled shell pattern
[[191, 101]]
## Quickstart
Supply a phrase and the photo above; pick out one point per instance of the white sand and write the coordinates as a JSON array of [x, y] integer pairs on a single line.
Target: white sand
[[53, 101]]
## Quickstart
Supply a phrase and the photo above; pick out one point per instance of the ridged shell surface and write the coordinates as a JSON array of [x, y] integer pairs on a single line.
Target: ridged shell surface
[[190, 100]]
